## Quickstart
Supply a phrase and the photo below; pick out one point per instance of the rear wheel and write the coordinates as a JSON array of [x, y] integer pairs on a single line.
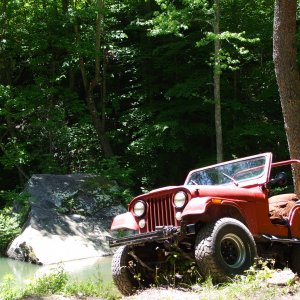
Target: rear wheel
[[223, 249], [295, 259]]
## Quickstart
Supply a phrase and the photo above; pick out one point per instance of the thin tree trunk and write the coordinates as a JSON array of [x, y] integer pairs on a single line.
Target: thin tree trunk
[[288, 77], [217, 93], [94, 88], [65, 5], [102, 95]]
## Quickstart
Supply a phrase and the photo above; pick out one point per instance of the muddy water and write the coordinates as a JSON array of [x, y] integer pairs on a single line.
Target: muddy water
[[84, 269]]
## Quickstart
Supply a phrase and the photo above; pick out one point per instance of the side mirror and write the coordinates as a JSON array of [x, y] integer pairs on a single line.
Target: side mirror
[[279, 180]]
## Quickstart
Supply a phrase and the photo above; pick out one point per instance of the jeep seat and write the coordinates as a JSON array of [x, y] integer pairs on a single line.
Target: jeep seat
[[280, 206]]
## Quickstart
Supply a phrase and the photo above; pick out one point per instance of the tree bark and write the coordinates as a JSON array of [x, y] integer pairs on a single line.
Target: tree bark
[[217, 93], [94, 87], [288, 77], [65, 5]]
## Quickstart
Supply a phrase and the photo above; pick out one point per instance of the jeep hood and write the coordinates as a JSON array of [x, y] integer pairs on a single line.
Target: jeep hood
[[221, 191]]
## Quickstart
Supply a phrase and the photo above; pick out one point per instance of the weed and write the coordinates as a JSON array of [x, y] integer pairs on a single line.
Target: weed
[[7, 290], [47, 284], [57, 282]]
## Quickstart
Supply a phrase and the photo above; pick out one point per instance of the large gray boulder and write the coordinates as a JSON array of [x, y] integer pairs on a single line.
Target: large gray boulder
[[69, 219]]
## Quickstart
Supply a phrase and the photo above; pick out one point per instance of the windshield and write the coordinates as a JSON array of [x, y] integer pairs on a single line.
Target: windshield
[[229, 173]]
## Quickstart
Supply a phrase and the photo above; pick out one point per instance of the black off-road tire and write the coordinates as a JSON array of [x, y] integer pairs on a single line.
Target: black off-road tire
[[121, 272], [223, 249], [295, 259]]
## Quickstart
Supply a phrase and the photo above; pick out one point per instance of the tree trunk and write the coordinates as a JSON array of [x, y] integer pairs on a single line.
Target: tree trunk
[[65, 5], [217, 94], [94, 88], [287, 75]]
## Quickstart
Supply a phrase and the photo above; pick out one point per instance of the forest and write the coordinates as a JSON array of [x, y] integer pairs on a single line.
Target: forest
[[125, 89]]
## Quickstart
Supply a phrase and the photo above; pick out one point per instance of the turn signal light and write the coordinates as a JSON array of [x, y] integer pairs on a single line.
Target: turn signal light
[[216, 201]]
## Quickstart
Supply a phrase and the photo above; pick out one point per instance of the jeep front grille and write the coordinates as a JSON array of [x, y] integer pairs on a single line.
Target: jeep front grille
[[160, 212]]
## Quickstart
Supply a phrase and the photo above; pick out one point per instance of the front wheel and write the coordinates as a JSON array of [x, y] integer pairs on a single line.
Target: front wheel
[[130, 269], [223, 249]]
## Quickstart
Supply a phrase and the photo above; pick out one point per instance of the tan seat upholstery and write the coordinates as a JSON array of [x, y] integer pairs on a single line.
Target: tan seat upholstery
[[280, 206]]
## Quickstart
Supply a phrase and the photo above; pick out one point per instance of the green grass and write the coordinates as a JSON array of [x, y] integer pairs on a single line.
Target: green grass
[[57, 282], [253, 285]]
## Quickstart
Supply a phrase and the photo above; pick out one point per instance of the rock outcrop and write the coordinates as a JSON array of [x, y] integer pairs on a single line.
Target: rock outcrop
[[69, 219]]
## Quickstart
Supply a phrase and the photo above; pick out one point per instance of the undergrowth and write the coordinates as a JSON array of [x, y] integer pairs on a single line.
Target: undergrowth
[[252, 285], [57, 282]]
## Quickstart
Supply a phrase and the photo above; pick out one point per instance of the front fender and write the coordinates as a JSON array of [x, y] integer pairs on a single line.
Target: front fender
[[196, 206], [124, 221]]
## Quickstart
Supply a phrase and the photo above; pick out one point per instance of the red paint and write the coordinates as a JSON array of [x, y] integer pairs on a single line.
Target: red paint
[[242, 194]]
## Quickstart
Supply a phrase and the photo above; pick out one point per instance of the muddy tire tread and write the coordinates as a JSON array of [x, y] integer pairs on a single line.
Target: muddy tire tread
[[204, 249], [120, 273]]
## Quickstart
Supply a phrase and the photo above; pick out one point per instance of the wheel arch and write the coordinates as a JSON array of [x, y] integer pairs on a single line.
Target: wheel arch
[[215, 212], [229, 211]]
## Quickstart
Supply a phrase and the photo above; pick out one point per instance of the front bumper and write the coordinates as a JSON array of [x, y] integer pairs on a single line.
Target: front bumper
[[159, 235]]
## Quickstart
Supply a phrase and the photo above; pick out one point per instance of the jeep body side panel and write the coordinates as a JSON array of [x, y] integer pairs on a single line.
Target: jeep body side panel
[[209, 209], [294, 221], [124, 221]]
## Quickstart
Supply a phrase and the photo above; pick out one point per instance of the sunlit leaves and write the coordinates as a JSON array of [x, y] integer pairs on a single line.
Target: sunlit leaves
[[159, 107], [229, 55], [9, 228], [175, 18], [14, 154]]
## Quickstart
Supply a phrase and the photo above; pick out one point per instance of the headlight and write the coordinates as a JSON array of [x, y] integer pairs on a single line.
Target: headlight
[[180, 199], [139, 208]]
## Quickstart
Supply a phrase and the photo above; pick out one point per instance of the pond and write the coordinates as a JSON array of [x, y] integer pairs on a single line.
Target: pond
[[84, 269]]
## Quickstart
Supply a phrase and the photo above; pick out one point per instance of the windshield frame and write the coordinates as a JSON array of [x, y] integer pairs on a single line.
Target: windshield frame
[[260, 179]]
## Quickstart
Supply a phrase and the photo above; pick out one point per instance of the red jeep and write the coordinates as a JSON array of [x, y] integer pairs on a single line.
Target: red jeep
[[222, 217]]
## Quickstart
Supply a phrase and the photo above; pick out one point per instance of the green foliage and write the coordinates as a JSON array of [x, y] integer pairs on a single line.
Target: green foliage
[[9, 228], [230, 58], [8, 290], [253, 284], [12, 216], [48, 284], [112, 169], [14, 154], [181, 272], [155, 94], [176, 17], [94, 287], [57, 282]]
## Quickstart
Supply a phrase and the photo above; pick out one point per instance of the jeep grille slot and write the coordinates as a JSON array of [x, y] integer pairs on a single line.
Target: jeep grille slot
[[161, 212]]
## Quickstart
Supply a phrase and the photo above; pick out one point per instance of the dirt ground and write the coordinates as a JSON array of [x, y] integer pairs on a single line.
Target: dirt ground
[[163, 294], [149, 294], [59, 297]]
